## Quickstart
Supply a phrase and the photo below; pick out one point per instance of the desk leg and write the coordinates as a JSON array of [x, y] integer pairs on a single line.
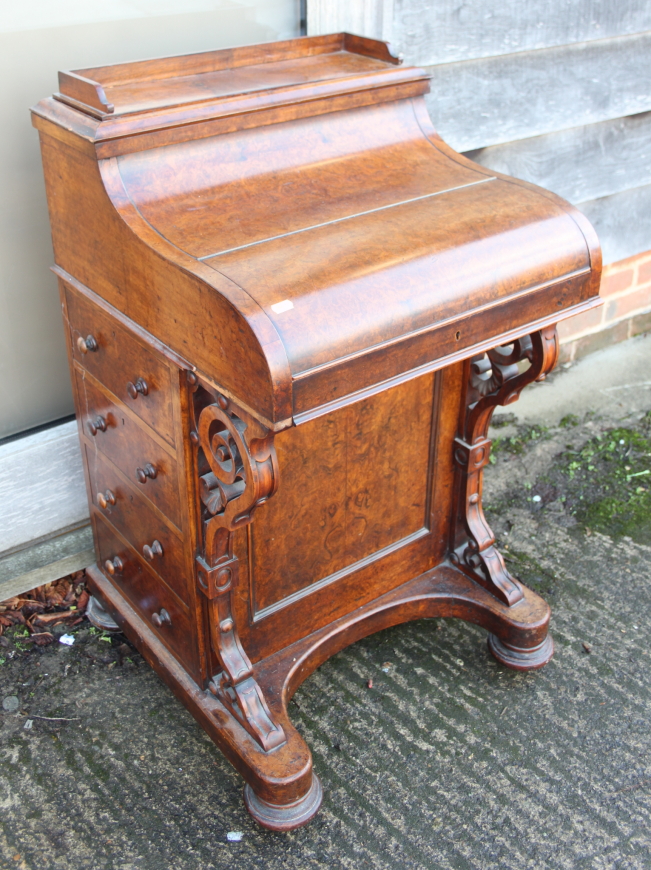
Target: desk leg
[[243, 475], [495, 378]]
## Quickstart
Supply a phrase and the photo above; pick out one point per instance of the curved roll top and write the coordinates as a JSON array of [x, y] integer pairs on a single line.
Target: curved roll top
[[371, 249], [355, 231]]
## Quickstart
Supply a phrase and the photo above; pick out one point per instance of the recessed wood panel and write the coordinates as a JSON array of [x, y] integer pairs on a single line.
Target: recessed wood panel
[[352, 484]]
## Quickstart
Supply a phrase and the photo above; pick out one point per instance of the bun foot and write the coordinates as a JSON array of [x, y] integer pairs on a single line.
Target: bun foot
[[519, 658], [288, 816]]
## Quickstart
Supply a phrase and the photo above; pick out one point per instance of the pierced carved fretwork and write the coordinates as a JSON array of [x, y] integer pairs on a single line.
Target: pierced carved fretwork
[[238, 472], [494, 378]]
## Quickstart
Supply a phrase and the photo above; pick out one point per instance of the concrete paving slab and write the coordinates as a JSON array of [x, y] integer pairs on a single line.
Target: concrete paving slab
[[615, 381], [449, 761]]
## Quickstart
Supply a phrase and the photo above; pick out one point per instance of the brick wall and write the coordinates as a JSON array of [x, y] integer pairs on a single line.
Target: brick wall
[[626, 291]]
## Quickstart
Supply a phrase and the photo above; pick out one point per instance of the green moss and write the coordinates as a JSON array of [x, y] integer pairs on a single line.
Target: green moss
[[518, 443], [608, 482]]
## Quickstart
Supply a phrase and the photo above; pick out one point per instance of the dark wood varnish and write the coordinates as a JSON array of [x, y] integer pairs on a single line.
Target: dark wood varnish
[[291, 310]]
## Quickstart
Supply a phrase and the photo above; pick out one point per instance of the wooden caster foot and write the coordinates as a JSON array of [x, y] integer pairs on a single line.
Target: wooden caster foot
[[518, 658], [288, 817], [98, 617]]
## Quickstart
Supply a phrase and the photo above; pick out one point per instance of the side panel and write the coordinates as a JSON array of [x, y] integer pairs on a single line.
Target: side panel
[[353, 516], [352, 483]]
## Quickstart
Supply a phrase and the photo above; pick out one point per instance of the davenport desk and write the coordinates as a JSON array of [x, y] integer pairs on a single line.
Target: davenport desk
[[291, 310]]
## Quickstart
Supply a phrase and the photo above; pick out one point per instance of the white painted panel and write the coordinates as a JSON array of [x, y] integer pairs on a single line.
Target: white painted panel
[[39, 14], [41, 485]]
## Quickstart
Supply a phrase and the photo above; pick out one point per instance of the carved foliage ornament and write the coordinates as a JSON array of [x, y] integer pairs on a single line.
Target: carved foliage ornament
[[243, 474], [495, 378]]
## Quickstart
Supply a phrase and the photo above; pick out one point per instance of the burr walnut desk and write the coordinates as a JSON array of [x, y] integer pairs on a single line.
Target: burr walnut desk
[[291, 310]]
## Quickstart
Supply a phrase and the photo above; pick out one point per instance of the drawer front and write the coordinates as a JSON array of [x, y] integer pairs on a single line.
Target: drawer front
[[144, 462], [122, 363], [156, 604], [137, 522]]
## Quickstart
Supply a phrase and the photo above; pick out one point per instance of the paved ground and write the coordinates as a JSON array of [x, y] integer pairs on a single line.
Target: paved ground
[[450, 760]]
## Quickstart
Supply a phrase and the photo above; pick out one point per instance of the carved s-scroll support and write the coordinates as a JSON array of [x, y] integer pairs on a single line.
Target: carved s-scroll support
[[494, 378], [243, 474]]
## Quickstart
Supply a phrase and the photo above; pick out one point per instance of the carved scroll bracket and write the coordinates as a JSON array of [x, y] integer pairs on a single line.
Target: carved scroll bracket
[[495, 378], [242, 474]]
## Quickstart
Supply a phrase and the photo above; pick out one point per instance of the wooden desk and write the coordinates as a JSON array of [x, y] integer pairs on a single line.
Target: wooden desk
[[291, 310]]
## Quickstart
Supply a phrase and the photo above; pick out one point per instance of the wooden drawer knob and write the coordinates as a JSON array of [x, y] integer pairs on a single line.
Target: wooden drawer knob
[[150, 553], [88, 344], [149, 471], [114, 566], [140, 388], [104, 499], [162, 618], [97, 425]]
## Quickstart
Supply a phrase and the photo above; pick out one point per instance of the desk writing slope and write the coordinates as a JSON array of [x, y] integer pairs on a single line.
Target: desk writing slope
[[283, 291]]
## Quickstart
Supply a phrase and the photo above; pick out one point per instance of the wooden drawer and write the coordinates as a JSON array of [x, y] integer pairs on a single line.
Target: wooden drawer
[[148, 595], [138, 523], [120, 360], [143, 461]]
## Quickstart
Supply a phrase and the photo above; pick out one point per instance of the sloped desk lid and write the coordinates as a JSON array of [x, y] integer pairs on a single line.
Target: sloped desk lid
[[373, 248]]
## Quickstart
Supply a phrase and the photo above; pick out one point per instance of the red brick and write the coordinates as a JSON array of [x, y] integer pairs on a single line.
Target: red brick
[[637, 300], [628, 263], [644, 272], [615, 282], [580, 323]]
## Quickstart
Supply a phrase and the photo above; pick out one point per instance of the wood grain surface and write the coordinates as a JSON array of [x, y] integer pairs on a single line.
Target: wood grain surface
[[122, 361], [367, 489], [120, 503], [129, 447], [148, 595]]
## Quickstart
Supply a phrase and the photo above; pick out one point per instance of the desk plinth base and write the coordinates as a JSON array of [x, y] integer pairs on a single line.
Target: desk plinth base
[[282, 792]]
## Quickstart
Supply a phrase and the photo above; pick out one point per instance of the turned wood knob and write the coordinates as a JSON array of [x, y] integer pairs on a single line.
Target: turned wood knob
[[139, 388], [150, 553], [104, 499], [114, 566], [97, 425], [149, 471], [87, 344], [162, 618]]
